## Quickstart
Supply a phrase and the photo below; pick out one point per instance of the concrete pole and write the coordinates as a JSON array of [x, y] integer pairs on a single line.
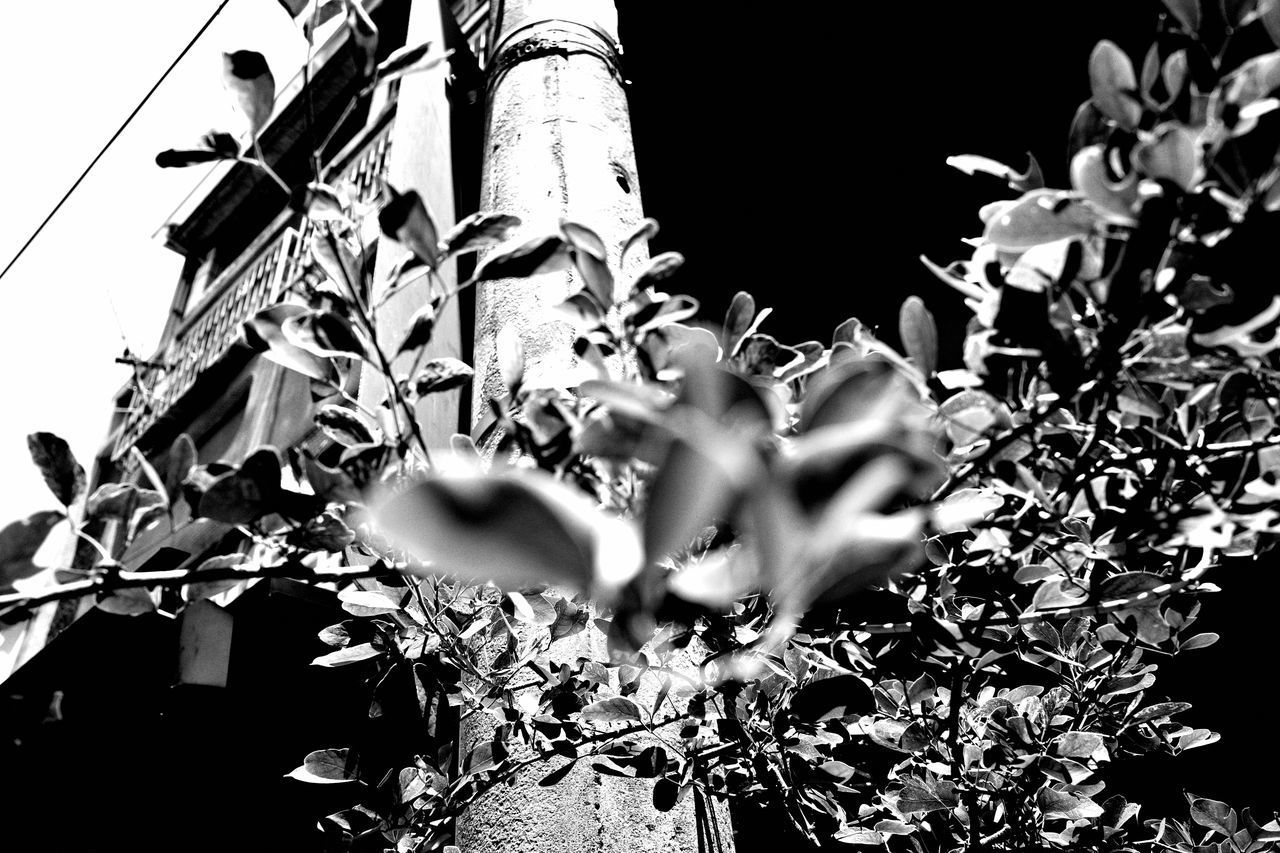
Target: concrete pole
[[558, 144]]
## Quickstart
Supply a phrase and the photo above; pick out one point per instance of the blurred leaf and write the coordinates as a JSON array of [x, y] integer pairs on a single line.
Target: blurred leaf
[[62, 473], [646, 230], [176, 159], [19, 542], [477, 231], [616, 710], [326, 766], [324, 334], [421, 326], [407, 220], [549, 253], [591, 259], [441, 374], [265, 334], [1114, 84], [325, 532], [658, 268], [510, 352], [919, 333], [365, 36], [248, 78], [516, 530], [410, 59], [182, 458], [343, 425], [1187, 12], [200, 590], [130, 601], [1039, 216]]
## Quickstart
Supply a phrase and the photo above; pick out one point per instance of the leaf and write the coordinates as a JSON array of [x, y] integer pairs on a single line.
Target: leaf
[[200, 590], [1187, 12], [247, 493], [410, 59], [1078, 744], [1214, 814], [130, 601], [325, 532], [658, 268], [1059, 804], [348, 655], [19, 542], [421, 326], [62, 473], [118, 501], [1114, 83], [516, 530], [919, 333], [364, 33], [324, 334], [1038, 217], [666, 793], [477, 231], [616, 710], [917, 796], [326, 767], [646, 230], [182, 458], [1199, 641], [545, 254], [343, 425], [172, 158], [367, 602], [1160, 710], [510, 352], [832, 699], [264, 333], [591, 259], [441, 374], [247, 77], [407, 220]]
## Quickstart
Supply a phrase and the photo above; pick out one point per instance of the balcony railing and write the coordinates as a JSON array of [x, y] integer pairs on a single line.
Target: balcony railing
[[260, 277]]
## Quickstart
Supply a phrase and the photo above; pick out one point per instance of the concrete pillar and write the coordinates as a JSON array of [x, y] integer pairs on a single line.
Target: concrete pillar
[[558, 144]]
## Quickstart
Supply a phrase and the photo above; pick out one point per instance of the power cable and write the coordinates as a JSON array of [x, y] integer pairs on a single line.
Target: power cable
[[114, 137]]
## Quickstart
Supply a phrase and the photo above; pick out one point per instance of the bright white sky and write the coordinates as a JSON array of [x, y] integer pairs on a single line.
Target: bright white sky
[[70, 72]]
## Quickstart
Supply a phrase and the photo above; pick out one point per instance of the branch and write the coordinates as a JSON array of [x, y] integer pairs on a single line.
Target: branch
[[105, 582]]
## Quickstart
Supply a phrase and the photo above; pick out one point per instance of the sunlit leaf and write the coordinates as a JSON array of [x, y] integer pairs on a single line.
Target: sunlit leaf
[[264, 333], [326, 766], [324, 334], [657, 269], [130, 601], [343, 425], [646, 230], [619, 709], [510, 350], [421, 327], [348, 655]]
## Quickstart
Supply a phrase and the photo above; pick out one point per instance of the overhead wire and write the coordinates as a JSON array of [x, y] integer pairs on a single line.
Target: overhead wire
[[190, 44]]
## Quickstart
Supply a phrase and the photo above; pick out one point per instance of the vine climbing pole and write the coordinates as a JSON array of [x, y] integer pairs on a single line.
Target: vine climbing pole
[[558, 145]]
